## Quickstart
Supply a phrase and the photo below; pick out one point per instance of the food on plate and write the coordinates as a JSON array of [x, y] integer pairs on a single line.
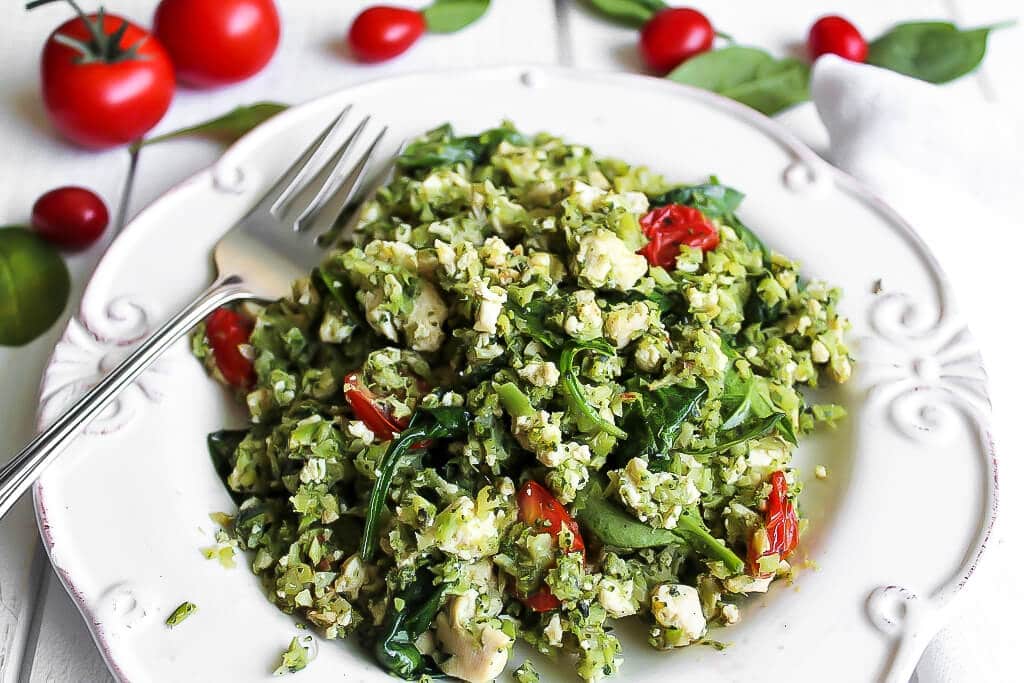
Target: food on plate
[[540, 391], [105, 80]]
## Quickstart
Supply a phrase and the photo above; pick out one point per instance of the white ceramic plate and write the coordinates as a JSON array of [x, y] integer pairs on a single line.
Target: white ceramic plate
[[896, 529]]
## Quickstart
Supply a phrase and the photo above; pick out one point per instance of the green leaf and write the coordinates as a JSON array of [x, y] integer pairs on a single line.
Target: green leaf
[[440, 147], [226, 128], [34, 286], [574, 391], [449, 16], [934, 51], [744, 398], [654, 421], [714, 200], [614, 526], [756, 430], [629, 12], [748, 75]]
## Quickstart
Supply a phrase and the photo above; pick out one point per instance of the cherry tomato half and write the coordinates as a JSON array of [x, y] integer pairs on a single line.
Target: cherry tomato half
[[226, 331], [674, 35], [380, 33], [781, 525], [538, 508], [97, 100], [671, 225], [217, 42], [835, 35], [70, 217], [366, 408]]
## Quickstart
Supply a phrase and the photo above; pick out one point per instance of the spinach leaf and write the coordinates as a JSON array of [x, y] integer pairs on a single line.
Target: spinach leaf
[[748, 236], [441, 148], [613, 526], [426, 424], [226, 128], [655, 420], [744, 398], [748, 75], [756, 430], [340, 291], [933, 51], [449, 16], [757, 311], [222, 445], [531, 320], [34, 286], [571, 383], [395, 646], [634, 13], [711, 199]]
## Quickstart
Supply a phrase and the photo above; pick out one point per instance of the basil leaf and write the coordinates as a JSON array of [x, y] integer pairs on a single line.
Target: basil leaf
[[711, 199], [630, 12], [440, 147], [748, 75], [226, 128], [933, 51], [449, 16], [34, 286]]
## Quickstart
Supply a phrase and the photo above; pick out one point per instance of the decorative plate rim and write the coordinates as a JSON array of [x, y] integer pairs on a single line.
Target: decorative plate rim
[[223, 173]]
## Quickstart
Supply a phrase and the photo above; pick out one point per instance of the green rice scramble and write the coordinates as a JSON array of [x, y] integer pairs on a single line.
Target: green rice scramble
[[492, 417]]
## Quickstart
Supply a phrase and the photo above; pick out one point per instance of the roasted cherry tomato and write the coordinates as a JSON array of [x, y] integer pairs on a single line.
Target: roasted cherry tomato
[[781, 526], [226, 331], [105, 80], [671, 225], [538, 508], [216, 42], [364, 405], [380, 33], [835, 35], [674, 35], [70, 217]]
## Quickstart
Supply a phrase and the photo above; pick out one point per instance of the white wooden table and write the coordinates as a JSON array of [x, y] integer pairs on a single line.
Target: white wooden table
[[42, 636]]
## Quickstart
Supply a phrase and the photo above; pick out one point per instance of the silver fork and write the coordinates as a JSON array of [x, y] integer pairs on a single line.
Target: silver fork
[[274, 244]]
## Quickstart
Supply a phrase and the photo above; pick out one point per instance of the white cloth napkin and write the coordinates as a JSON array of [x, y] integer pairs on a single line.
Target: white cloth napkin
[[951, 164]]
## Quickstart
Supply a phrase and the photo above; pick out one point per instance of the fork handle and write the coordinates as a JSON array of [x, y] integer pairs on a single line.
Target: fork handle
[[18, 475]]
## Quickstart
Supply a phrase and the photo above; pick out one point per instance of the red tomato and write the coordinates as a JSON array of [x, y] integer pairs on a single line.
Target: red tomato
[[380, 33], [537, 507], [780, 524], [671, 225], [835, 35], [70, 217], [105, 95], [216, 42], [226, 331], [365, 406], [674, 35]]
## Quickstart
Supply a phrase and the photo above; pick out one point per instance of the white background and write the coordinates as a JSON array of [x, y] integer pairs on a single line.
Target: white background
[[42, 637]]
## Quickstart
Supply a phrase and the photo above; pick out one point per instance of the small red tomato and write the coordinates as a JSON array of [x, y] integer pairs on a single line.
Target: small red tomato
[[366, 409], [217, 42], [380, 33], [538, 508], [674, 35], [835, 35], [226, 331], [70, 217], [781, 525], [671, 225], [98, 93]]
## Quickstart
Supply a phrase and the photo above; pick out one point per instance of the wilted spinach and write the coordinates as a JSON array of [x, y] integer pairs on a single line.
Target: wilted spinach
[[714, 200], [571, 383], [613, 526], [395, 646], [440, 147], [426, 424], [655, 419]]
